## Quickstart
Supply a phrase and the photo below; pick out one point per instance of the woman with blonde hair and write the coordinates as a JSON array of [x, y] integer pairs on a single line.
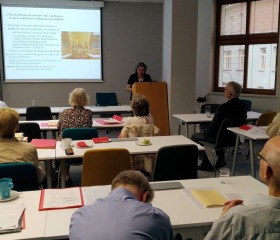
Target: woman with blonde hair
[[11, 149], [77, 116]]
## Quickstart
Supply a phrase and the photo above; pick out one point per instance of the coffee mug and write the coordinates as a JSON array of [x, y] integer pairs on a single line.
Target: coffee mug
[[6, 184]]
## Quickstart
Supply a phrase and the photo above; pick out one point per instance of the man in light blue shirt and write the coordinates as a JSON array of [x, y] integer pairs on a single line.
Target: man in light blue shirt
[[125, 214], [260, 219]]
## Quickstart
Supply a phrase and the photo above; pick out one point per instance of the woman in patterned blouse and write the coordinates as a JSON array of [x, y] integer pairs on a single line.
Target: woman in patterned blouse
[[77, 116], [141, 125]]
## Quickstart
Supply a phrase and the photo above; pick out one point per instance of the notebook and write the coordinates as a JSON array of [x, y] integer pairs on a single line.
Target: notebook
[[43, 143], [166, 185], [208, 197], [101, 140]]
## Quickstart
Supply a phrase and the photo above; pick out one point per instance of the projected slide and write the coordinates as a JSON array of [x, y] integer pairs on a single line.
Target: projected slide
[[53, 44]]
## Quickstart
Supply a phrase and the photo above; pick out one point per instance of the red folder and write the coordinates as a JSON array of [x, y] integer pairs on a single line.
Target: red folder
[[61, 195], [101, 121], [44, 124], [101, 140], [43, 143], [108, 121], [118, 118]]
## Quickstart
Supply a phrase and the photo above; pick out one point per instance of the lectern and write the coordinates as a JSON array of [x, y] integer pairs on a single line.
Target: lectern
[[156, 93]]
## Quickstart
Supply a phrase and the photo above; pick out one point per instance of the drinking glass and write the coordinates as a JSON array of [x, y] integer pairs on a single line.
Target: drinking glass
[[66, 142], [224, 174]]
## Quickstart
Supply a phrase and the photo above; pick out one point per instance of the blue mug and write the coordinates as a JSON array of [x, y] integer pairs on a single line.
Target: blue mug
[[6, 184]]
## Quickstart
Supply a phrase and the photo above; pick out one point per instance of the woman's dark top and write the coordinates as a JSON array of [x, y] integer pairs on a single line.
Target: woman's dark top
[[134, 78]]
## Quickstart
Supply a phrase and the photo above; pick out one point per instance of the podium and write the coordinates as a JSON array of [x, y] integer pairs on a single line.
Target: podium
[[156, 93]]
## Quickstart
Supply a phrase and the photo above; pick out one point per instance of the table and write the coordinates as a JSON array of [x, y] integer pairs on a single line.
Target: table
[[47, 155], [51, 125], [187, 119], [45, 126], [157, 143], [186, 217], [95, 109], [35, 221], [254, 134]]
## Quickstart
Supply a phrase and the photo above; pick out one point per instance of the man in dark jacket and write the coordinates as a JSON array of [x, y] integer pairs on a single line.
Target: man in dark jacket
[[233, 108]]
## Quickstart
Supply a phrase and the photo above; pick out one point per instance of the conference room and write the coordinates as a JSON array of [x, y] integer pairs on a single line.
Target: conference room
[[175, 39]]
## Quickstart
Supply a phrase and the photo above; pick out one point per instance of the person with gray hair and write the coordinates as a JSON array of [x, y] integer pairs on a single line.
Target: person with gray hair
[[3, 104], [233, 108], [258, 219], [77, 116], [126, 213]]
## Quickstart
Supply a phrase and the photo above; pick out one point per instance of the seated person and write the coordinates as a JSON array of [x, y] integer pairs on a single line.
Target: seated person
[[3, 104], [140, 75], [126, 213], [77, 116], [11, 149], [260, 218], [274, 128], [233, 108], [140, 125]]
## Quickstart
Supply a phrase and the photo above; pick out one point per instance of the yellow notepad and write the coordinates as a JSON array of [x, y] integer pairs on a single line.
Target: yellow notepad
[[209, 197]]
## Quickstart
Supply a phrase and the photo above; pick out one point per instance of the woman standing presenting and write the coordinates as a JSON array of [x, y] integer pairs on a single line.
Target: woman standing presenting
[[139, 76]]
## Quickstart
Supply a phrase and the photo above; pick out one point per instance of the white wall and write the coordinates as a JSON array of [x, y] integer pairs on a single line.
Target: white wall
[[179, 51], [132, 32]]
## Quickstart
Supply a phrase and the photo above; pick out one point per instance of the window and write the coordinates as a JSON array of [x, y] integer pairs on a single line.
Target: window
[[273, 59], [227, 62], [246, 44], [262, 58], [241, 59]]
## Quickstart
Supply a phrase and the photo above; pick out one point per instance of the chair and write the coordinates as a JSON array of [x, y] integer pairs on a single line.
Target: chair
[[101, 166], [80, 133], [38, 113], [247, 103], [225, 139], [213, 107], [106, 99], [176, 163], [24, 175], [265, 118], [30, 130]]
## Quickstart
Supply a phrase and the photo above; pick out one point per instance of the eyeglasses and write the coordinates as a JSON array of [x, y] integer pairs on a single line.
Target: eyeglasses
[[260, 157]]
